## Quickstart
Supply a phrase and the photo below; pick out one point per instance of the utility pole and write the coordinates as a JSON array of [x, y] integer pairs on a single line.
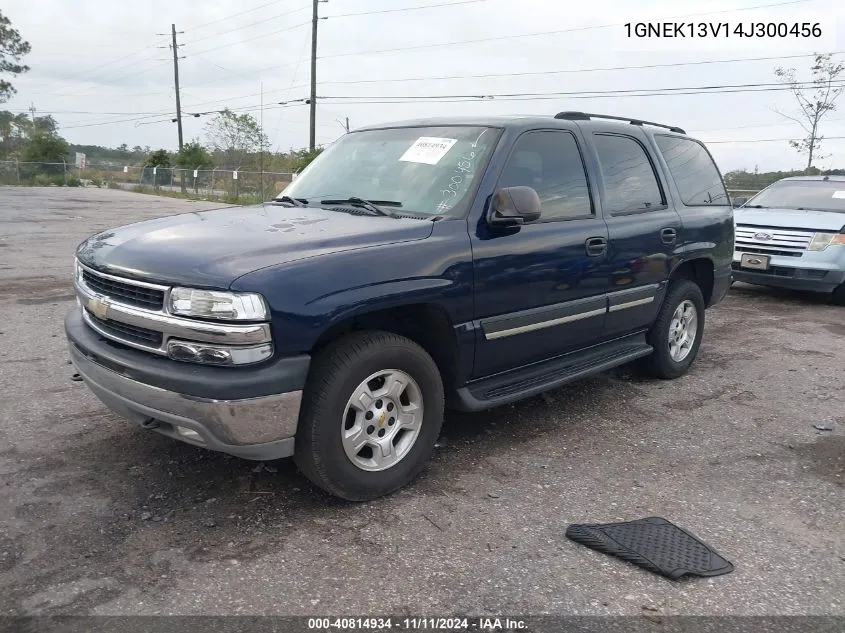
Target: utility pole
[[261, 141], [175, 47], [312, 134]]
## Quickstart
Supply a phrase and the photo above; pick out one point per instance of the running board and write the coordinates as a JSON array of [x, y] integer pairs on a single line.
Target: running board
[[528, 381]]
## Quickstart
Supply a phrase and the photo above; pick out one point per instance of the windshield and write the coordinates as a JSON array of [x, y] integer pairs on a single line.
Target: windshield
[[819, 195], [419, 170]]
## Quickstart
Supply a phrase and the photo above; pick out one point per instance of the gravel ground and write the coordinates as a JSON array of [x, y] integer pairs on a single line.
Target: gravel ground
[[100, 517]]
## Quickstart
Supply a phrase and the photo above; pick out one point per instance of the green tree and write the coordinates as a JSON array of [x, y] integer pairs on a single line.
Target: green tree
[[235, 136], [13, 134], [816, 99], [44, 149], [159, 158], [12, 49], [303, 158], [194, 156]]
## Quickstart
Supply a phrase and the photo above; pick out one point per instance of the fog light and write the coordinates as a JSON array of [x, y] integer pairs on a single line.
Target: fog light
[[189, 434], [190, 352]]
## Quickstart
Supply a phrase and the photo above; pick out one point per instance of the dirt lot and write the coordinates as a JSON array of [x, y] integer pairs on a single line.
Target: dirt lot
[[99, 517]]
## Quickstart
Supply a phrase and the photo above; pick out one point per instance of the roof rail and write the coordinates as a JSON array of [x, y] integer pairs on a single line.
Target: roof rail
[[586, 116]]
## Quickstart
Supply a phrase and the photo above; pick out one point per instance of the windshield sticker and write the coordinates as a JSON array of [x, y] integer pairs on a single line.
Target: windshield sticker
[[428, 150], [839, 194]]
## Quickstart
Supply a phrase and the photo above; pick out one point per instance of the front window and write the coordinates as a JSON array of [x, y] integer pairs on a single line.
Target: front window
[[815, 195], [427, 171]]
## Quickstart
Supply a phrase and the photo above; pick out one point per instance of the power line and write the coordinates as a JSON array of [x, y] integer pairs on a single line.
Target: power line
[[772, 140], [617, 92], [574, 70], [245, 26], [233, 15], [554, 32], [419, 8], [250, 39]]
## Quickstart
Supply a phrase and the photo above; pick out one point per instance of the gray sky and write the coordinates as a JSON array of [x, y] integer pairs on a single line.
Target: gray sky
[[100, 57]]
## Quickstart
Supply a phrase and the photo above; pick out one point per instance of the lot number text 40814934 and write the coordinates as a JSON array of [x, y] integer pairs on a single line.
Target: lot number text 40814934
[[723, 30]]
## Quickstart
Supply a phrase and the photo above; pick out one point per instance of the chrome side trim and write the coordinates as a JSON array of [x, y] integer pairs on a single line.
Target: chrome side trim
[[123, 280], [630, 304], [201, 331], [544, 324]]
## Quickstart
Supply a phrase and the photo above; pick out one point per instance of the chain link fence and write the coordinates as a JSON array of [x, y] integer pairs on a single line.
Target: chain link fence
[[209, 184]]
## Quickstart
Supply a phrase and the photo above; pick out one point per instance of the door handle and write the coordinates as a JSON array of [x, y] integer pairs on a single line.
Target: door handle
[[596, 246], [668, 236]]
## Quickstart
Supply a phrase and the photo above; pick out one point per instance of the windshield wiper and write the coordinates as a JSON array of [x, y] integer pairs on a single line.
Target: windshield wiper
[[297, 202], [369, 205], [754, 206]]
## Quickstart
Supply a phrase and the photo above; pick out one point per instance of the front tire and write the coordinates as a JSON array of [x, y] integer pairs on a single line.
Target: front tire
[[371, 414], [838, 296], [677, 331]]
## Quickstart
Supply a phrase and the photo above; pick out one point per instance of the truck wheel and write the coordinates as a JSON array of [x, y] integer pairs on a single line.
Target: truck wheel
[[676, 334], [371, 412], [838, 296]]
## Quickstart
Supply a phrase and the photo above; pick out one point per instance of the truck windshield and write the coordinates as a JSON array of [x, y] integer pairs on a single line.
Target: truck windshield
[[431, 171], [818, 195]]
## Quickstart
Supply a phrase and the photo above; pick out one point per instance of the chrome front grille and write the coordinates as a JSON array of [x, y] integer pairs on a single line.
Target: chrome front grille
[[135, 314], [124, 291], [126, 332], [772, 240]]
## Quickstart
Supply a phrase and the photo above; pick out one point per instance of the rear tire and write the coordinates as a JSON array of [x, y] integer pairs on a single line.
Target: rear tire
[[376, 390], [676, 333]]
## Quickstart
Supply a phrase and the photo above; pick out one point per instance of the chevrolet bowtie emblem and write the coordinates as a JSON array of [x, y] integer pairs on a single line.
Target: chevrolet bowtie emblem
[[98, 307]]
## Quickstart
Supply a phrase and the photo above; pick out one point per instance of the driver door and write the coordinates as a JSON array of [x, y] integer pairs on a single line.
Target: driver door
[[540, 288]]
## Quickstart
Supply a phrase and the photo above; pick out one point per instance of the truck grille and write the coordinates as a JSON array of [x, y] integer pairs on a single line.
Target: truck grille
[[126, 332], [772, 240], [124, 291]]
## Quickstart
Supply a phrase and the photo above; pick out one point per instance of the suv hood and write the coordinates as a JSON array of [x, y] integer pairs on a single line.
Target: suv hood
[[791, 218], [213, 248]]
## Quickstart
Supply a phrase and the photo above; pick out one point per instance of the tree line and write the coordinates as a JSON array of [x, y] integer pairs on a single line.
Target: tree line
[[231, 141]]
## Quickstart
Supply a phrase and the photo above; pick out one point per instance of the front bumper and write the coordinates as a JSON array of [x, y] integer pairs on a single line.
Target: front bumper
[[814, 271], [247, 412]]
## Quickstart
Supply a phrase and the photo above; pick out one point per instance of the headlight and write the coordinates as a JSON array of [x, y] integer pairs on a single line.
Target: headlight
[[77, 270], [821, 241], [212, 304]]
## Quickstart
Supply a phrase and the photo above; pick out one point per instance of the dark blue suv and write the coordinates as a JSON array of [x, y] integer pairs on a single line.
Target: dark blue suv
[[452, 262]]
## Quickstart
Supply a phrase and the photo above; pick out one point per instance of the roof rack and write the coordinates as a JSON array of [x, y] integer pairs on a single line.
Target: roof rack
[[586, 116]]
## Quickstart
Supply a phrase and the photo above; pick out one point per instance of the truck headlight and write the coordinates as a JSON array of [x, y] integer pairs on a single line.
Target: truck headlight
[[821, 241], [213, 304]]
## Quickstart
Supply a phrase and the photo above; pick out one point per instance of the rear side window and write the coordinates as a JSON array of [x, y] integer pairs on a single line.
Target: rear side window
[[693, 171], [629, 181]]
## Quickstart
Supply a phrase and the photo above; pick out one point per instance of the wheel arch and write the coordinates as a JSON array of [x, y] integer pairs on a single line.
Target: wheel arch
[[699, 270]]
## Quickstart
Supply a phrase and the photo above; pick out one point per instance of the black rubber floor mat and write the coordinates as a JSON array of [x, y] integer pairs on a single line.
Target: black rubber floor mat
[[653, 543]]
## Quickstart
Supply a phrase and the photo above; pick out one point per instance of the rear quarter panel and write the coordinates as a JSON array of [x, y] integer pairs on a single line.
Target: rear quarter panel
[[708, 230]]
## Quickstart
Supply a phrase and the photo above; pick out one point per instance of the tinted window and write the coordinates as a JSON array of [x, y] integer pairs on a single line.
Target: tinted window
[[693, 170], [550, 163], [629, 180]]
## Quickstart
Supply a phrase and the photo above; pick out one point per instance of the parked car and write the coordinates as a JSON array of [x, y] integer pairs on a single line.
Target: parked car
[[792, 235], [468, 262]]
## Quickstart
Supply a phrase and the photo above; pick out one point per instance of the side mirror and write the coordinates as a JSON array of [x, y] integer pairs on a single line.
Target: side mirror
[[513, 206], [738, 202]]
